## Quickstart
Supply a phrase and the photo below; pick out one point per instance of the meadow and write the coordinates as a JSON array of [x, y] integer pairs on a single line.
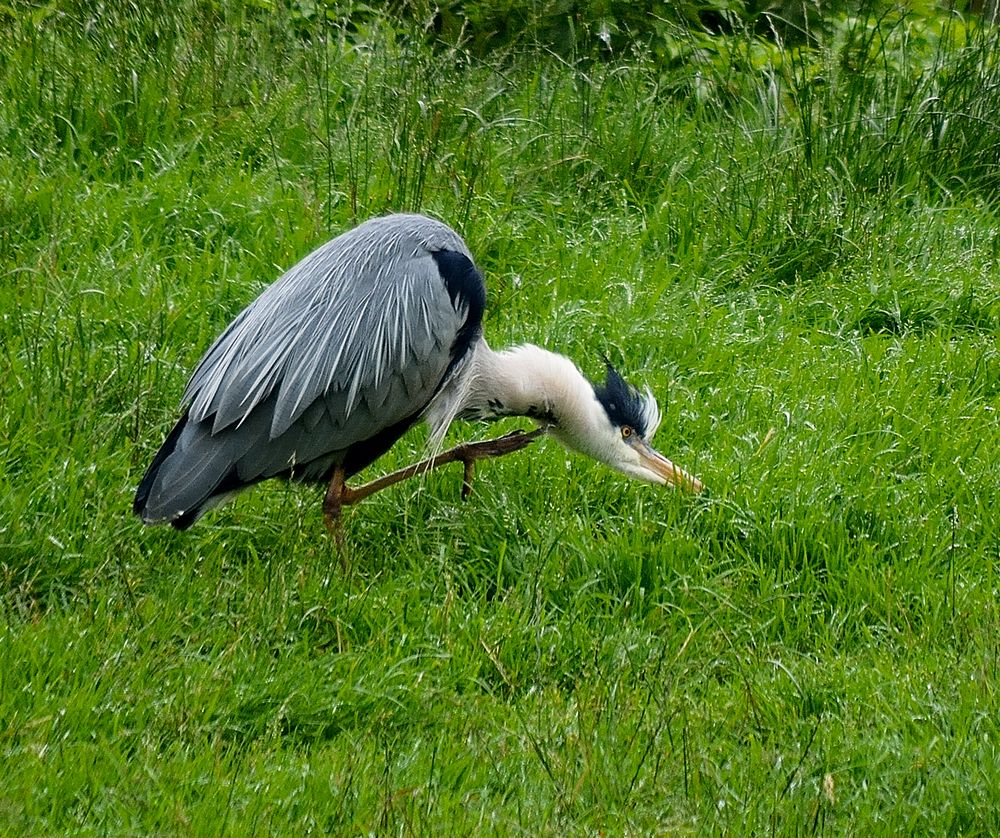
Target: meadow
[[796, 247]]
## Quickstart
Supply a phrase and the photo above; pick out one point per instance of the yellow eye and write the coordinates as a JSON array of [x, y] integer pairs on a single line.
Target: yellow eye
[[626, 432]]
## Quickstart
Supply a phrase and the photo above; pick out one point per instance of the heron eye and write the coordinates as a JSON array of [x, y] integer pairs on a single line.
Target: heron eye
[[626, 432]]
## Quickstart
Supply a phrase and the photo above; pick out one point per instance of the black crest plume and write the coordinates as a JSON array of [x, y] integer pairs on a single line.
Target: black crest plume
[[625, 405]]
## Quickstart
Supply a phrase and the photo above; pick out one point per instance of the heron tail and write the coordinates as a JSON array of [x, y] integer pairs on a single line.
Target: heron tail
[[192, 472]]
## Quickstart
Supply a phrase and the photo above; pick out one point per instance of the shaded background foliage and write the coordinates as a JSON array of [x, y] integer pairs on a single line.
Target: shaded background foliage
[[876, 94], [574, 28]]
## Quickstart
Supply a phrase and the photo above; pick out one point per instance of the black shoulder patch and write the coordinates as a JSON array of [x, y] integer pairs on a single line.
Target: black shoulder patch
[[623, 403], [465, 288]]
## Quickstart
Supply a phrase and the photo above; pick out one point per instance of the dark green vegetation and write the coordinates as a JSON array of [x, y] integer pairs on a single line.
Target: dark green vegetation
[[799, 251]]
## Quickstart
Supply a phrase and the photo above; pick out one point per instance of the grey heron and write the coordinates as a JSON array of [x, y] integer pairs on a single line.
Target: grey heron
[[376, 329]]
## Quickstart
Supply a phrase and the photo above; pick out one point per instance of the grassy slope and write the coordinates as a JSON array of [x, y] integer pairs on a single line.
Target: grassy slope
[[812, 645]]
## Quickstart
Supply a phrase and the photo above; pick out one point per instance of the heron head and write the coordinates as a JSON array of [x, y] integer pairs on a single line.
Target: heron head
[[627, 421]]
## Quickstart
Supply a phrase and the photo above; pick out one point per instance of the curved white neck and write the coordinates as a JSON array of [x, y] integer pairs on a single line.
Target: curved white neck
[[528, 381], [524, 381]]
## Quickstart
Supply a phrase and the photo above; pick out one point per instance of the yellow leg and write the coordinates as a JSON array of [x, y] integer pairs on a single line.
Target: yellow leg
[[339, 494], [333, 506]]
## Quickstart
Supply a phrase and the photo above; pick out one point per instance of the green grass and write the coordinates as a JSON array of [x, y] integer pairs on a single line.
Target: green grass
[[802, 258]]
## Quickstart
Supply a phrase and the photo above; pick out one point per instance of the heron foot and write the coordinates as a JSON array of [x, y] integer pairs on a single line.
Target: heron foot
[[468, 453]]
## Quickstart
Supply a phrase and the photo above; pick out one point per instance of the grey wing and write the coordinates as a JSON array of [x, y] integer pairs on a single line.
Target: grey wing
[[350, 344], [364, 324]]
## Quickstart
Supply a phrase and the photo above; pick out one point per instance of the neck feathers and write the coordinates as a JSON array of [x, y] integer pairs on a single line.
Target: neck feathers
[[530, 381], [521, 381]]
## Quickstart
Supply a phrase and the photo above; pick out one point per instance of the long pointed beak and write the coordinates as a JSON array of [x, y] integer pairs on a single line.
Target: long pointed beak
[[671, 474]]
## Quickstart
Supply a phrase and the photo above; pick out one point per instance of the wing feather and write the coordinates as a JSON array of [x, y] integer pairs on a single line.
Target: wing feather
[[364, 309], [329, 364]]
